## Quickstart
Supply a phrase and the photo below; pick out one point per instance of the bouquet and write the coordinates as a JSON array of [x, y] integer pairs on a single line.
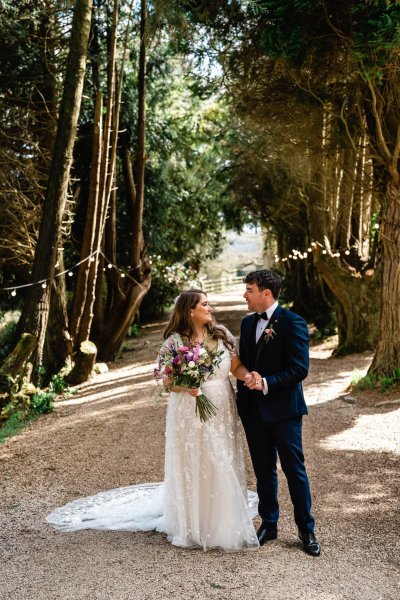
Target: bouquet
[[189, 367]]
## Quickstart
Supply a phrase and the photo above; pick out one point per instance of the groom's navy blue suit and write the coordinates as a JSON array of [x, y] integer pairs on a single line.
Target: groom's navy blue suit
[[272, 422]]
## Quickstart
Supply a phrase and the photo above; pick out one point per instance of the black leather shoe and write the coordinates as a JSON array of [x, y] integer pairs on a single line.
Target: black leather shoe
[[266, 533], [310, 544]]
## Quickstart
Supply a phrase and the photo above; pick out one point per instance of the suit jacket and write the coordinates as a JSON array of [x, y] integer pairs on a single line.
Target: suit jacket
[[283, 360]]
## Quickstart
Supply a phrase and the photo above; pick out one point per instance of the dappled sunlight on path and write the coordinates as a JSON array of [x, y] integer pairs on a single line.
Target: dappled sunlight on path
[[379, 432], [138, 377], [330, 377]]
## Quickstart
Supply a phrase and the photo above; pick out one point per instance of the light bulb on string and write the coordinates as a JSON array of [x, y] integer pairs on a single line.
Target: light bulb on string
[[70, 274], [44, 285], [109, 266], [376, 226], [347, 252], [14, 293], [323, 251]]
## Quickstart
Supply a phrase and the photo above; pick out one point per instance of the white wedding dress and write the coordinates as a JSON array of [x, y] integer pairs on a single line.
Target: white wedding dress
[[203, 501]]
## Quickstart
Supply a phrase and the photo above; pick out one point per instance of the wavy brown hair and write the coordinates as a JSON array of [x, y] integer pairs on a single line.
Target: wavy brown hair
[[182, 323]]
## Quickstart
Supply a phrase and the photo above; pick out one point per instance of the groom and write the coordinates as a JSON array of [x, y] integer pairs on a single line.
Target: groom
[[274, 346]]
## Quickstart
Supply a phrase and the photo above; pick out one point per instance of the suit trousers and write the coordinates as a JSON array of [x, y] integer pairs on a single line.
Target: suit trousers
[[266, 442]]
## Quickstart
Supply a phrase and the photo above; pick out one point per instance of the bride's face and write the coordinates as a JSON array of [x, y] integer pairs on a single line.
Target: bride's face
[[201, 313]]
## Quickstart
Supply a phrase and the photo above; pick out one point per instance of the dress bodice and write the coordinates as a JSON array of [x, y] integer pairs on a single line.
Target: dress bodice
[[222, 369]]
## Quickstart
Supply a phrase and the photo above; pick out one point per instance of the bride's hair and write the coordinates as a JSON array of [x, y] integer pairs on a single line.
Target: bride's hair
[[181, 322]]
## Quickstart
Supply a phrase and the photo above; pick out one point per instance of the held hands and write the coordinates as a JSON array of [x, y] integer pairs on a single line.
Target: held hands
[[254, 381]]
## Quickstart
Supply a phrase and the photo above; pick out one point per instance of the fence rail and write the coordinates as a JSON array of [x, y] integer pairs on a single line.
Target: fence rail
[[222, 284]]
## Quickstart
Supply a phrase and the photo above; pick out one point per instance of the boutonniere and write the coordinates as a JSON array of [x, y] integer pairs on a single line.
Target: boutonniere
[[269, 332]]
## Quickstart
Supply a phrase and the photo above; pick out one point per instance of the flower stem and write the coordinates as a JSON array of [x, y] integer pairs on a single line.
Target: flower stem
[[205, 408]]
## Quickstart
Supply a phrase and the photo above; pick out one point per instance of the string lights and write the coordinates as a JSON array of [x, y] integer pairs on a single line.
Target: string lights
[[303, 254], [44, 282], [295, 254]]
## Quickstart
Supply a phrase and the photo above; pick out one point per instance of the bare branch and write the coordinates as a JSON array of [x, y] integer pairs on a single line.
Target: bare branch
[[378, 123]]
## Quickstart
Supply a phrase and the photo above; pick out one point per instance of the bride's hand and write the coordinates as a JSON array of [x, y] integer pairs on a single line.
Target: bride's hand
[[256, 382], [248, 379], [191, 391], [184, 390]]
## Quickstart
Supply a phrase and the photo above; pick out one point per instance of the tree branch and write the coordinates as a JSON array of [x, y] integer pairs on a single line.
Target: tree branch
[[379, 131]]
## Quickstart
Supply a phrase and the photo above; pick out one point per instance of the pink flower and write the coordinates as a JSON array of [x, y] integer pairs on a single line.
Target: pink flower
[[269, 334]]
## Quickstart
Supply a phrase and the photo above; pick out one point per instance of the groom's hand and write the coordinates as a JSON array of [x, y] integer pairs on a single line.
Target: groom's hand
[[256, 382]]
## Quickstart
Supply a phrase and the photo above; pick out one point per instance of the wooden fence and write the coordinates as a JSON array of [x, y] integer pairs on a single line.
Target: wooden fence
[[222, 284]]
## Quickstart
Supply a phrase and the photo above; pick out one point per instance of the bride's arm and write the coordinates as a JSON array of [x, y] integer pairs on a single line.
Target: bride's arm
[[238, 370]]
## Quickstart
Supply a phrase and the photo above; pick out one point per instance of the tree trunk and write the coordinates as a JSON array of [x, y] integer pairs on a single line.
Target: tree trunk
[[383, 118], [125, 294], [106, 177], [85, 358], [129, 180], [387, 354], [356, 299], [58, 343], [13, 367], [127, 299], [87, 269], [18, 357], [35, 313], [345, 199], [137, 242]]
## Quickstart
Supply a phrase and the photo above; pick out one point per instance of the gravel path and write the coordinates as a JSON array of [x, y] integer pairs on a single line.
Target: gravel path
[[112, 434]]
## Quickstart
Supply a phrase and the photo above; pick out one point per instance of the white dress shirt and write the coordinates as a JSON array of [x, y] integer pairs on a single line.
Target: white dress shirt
[[261, 326]]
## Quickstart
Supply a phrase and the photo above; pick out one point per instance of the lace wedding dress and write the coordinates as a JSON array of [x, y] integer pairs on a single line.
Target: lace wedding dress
[[203, 501]]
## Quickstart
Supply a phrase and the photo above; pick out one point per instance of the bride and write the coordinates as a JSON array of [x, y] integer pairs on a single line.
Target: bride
[[203, 501]]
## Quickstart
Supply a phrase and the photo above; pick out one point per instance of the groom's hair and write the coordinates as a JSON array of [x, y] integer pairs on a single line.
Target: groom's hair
[[265, 279]]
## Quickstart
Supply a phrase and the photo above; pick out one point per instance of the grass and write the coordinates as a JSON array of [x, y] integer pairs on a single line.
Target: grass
[[33, 406], [373, 382], [14, 425]]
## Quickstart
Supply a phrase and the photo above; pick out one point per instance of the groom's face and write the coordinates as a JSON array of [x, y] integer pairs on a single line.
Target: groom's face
[[257, 299]]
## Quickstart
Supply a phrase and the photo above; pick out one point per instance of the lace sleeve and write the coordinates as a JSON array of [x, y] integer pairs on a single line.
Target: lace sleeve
[[234, 349], [165, 352]]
